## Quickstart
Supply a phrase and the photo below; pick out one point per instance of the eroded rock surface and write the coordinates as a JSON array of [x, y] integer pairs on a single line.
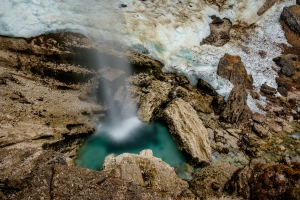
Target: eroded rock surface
[[147, 171], [210, 181], [188, 131], [264, 181]]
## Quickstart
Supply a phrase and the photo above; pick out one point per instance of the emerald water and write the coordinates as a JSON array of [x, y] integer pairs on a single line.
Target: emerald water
[[129, 136]]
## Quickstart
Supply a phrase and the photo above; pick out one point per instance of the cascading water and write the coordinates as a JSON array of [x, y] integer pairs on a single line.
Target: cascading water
[[122, 131]]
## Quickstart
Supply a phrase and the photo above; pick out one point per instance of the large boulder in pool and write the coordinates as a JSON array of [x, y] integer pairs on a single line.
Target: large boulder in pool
[[147, 171], [188, 131]]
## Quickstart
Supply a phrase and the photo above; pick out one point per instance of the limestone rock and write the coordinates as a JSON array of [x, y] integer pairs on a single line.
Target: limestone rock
[[235, 105], [233, 69], [188, 131], [288, 64], [80, 183], [291, 16], [268, 90], [157, 95], [147, 171], [209, 182]]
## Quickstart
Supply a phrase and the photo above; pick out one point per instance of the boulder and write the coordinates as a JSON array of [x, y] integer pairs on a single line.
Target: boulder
[[266, 181], [220, 32], [291, 16], [147, 171], [188, 131], [209, 182], [268, 90], [79, 183], [235, 105], [232, 68], [288, 63]]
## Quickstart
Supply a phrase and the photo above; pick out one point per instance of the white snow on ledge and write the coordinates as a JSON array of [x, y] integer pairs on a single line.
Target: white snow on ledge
[[170, 29]]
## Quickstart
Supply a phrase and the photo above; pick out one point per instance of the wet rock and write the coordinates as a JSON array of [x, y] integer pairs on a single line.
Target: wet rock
[[260, 130], [80, 183], [266, 181], [209, 182], [220, 32], [288, 63], [268, 90], [235, 105], [147, 171], [188, 131], [291, 16], [232, 68]]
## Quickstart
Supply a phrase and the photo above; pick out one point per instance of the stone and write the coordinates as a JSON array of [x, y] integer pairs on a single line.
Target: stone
[[266, 181], [291, 16], [29, 171], [205, 87], [282, 91], [147, 171], [188, 131], [209, 182], [259, 118], [152, 100], [233, 69], [235, 105], [268, 90], [288, 63], [284, 82], [218, 104], [79, 183], [219, 32], [260, 130]]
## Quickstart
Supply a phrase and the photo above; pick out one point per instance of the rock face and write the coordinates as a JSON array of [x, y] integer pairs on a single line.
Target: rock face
[[291, 16], [210, 181], [235, 105], [147, 171], [263, 181], [220, 32], [27, 173], [188, 131], [233, 69]]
